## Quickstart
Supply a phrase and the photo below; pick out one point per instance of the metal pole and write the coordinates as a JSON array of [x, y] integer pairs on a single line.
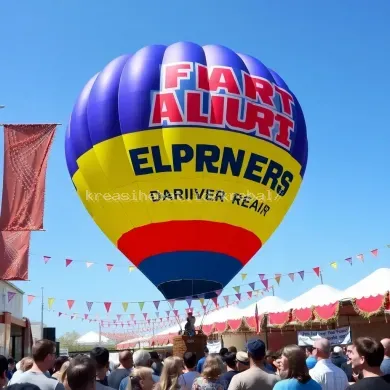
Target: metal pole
[[273, 290], [322, 281], [42, 315]]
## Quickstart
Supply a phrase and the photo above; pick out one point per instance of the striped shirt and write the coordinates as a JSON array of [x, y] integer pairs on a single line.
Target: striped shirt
[[329, 376]]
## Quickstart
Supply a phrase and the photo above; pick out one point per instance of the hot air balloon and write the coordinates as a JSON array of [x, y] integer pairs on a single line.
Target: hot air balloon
[[187, 158]]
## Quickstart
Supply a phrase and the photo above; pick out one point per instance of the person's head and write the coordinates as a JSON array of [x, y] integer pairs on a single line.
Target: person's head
[[293, 364], [154, 356], [140, 379], [11, 364], [141, 358], [232, 349], [230, 360], [223, 352], [3, 370], [256, 351], [337, 351], [206, 351], [367, 354], [386, 346], [173, 368], [126, 359], [242, 361], [59, 362], [348, 352], [101, 357], [278, 360], [81, 373], [269, 357], [44, 354], [190, 360], [309, 351], [63, 372], [26, 363], [321, 349], [213, 367]]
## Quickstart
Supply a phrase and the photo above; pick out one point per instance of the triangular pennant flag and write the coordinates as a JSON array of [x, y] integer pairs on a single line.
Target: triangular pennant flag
[[317, 271], [333, 265], [176, 313], [218, 292], [109, 267], [249, 294], [71, 317], [50, 302], [125, 305], [226, 298], [201, 300], [10, 295], [265, 282], [291, 275], [132, 316], [360, 257], [168, 313], [141, 305], [189, 301], [59, 314], [301, 274], [46, 259], [238, 296], [349, 260], [70, 303], [131, 268], [252, 286], [236, 289], [118, 316], [261, 276], [215, 300], [277, 278], [243, 276], [88, 264], [86, 316], [374, 252], [68, 262], [107, 305], [156, 304], [172, 302], [89, 305], [30, 298]]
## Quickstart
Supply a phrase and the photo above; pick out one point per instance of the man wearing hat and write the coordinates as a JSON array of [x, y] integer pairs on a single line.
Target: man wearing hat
[[255, 377], [242, 361]]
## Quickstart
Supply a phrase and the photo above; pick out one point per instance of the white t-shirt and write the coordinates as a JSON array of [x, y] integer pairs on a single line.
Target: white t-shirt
[[186, 380]]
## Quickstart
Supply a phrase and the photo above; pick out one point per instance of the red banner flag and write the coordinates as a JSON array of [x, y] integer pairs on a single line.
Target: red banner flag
[[68, 262], [107, 305], [14, 250], [317, 271], [70, 303], [249, 294], [26, 151], [374, 252]]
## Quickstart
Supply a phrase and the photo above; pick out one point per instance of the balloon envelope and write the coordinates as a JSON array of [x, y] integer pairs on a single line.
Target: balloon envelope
[[187, 158]]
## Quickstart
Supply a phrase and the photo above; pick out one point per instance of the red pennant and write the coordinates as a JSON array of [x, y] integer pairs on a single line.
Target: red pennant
[[265, 282], [107, 306], [86, 316], [109, 267], [215, 300], [145, 315], [250, 294], [70, 303], [68, 262], [374, 252], [317, 271]]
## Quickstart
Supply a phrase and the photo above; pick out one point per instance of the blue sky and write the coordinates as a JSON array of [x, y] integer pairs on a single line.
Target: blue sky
[[334, 55]]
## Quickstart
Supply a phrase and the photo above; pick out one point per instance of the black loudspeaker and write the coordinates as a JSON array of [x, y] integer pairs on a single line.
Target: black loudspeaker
[[49, 334], [57, 349]]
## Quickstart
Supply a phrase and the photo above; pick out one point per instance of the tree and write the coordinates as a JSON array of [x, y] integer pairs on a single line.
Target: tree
[[68, 340]]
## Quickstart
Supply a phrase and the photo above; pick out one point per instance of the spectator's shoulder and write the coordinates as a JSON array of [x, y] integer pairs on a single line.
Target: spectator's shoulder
[[59, 386]]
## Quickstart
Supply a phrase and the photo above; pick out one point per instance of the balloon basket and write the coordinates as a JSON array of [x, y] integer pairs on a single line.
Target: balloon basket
[[183, 344]]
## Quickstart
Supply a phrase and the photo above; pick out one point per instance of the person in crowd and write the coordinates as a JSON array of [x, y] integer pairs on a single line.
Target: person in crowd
[[123, 370], [338, 358], [385, 366], [141, 379], [44, 355], [347, 367], [210, 378], [141, 358], [157, 365], [25, 364], [242, 361], [278, 362], [201, 361], [11, 367], [329, 376], [311, 361], [81, 373], [269, 362], [169, 380], [3, 371], [255, 377], [366, 357], [190, 374], [22, 386], [232, 349], [101, 357], [294, 371], [63, 374], [57, 366], [230, 360]]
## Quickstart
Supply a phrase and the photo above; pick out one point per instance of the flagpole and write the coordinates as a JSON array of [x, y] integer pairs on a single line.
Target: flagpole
[[42, 315], [322, 281]]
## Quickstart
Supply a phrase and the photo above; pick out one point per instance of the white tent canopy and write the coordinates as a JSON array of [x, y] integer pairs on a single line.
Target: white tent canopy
[[264, 305], [374, 284], [91, 338], [222, 315]]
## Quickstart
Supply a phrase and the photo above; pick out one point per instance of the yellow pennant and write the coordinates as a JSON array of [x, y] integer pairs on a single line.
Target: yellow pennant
[[244, 276], [141, 305], [237, 289], [201, 300], [125, 305], [131, 268], [50, 302], [333, 265], [277, 278]]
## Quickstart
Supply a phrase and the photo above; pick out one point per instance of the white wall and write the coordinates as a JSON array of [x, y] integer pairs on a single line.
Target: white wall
[[15, 306]]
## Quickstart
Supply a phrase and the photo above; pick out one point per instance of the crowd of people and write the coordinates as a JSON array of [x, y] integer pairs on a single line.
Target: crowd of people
[[365, 364]]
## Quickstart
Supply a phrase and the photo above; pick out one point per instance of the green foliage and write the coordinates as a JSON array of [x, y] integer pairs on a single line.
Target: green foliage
[[68, 340]]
